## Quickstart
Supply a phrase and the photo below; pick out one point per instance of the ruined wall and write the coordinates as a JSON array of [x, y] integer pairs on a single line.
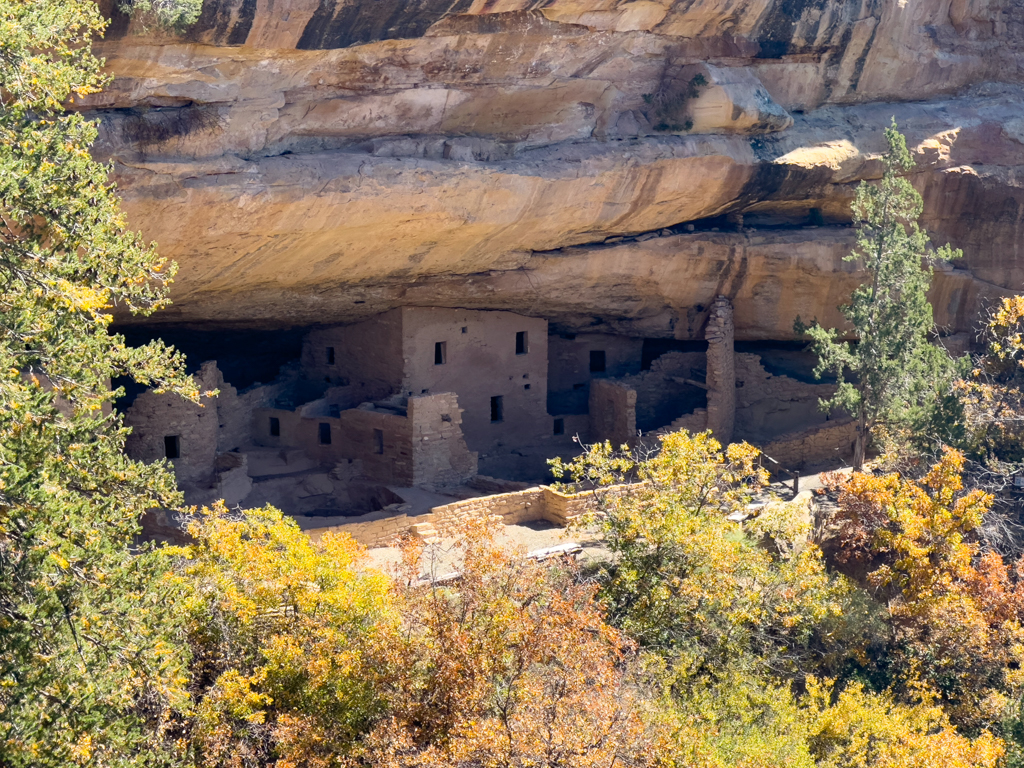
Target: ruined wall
[[417, 444], [480, 362], [768, 405], [517, 507], [570, 363], [829, 444], [721, 378], [440, 456], [612, 412], [387, 460], [367, 355], [154, 417], [663, 393]]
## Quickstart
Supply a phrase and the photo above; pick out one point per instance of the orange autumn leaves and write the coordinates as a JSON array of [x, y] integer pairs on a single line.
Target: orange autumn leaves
[[303, 659], [304, 656], [955, 612]]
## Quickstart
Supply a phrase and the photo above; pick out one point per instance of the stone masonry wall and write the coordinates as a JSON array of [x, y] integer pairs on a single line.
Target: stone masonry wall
[[721, 379], [663, 393], [612, 412], [154, 417], [529, 505], [813, 447], [768, 405], [439, 453]]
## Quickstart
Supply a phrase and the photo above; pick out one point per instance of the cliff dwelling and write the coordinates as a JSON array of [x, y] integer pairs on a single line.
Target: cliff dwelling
[[449, 245], [422, 405]]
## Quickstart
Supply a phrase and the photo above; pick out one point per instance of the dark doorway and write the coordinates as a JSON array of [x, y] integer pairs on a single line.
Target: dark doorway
[[172, 447], [325, 433], [497, 408]]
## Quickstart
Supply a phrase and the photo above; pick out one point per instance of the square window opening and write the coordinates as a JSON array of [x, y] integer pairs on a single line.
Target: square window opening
[[526, 386], [378, 441], [497, 408], [440, 352], [559, 426], [522, 343], [334, 411], [172, 447], [597, 361], [325, 433], [275, 426], [330, 355], [465, 329]]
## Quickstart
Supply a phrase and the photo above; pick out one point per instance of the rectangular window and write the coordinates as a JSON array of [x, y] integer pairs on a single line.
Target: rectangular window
[[597, 361], [497, 408], [440, 352], [559, 426], [172, 447], [522, 343], [275, 426], [325, 433], [330, 355], [334, 411], [378, 441]]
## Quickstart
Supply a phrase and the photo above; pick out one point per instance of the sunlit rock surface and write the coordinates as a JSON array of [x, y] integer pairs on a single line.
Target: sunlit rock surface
[[319, 161]]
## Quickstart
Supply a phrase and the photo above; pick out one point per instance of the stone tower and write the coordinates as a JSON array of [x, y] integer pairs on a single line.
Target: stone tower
[[721, 378]]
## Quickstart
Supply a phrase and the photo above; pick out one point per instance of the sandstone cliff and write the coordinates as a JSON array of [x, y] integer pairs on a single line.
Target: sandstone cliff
[[603, 164]]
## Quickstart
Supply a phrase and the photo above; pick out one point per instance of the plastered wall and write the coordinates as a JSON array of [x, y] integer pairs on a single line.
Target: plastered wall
[[481, 363]]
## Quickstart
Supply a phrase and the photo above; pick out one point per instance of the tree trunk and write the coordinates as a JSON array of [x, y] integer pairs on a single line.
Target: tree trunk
[[860, 444]]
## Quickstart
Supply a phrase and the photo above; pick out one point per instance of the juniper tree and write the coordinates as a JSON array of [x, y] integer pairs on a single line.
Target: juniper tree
[[174, 14], [87, 646], [893, 368]]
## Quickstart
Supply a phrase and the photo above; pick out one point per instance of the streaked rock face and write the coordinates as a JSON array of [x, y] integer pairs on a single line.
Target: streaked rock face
[[319, 161]]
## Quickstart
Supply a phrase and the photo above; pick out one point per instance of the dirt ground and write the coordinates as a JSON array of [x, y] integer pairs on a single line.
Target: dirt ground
[[441, 558]]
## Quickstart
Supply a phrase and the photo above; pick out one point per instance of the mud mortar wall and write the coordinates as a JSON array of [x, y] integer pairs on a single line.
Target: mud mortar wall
[[530, 505], [814, 447]]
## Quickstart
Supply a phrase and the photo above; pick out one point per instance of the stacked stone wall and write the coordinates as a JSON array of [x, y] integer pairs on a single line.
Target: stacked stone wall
[[529, 505], [768, 405], [439, 453], [817, 446], [612, 412], [665, 389]]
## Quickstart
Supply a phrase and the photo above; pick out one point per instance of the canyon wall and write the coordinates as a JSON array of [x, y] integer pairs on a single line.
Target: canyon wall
[[610, 166]]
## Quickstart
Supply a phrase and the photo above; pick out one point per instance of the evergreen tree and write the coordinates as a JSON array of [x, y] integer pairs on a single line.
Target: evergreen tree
[[88, 649], [894, 368]]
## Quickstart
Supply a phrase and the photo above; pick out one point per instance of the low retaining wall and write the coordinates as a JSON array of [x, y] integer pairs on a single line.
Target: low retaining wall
[[526, 506], [814, 446]]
